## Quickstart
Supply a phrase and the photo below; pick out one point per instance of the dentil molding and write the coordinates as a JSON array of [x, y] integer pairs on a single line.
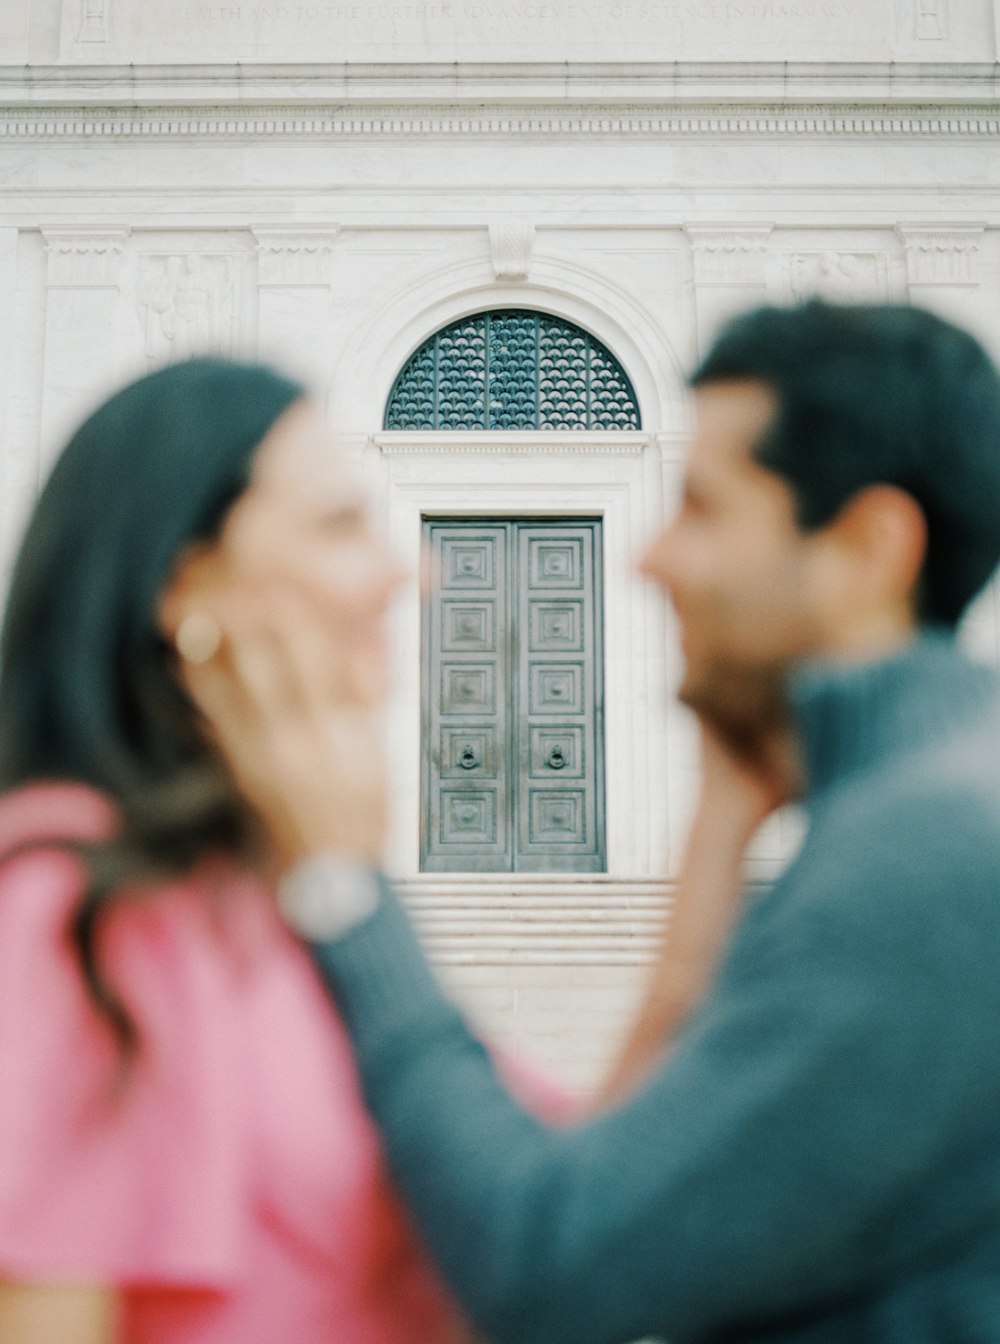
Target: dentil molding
[[254, 122], [493, 443]]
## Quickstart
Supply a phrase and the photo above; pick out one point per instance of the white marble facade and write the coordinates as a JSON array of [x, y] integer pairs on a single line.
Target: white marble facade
[[326, 184]]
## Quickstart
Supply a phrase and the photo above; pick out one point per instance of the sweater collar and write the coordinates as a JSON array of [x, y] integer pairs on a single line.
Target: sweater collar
[[851, 715]]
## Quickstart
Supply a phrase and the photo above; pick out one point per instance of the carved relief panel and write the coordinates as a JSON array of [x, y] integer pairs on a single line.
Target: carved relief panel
[[188, 305], [839, 276]]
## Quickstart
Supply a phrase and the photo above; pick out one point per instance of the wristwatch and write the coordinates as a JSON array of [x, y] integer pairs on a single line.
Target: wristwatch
[[325, 896]]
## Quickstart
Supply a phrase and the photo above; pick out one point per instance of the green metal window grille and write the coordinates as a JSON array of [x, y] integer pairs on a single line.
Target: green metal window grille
[[512, 369]]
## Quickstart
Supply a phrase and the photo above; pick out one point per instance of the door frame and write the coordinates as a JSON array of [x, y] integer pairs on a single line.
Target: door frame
[[614, 476], [514, 776]]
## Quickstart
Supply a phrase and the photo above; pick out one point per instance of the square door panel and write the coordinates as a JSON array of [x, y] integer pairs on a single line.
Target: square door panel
[[557, 817], [469, 753], [468, 627], [555, 562], [556, 753], [468, 817], [468, 688], [555, 688], [555, 627], [468, 562]]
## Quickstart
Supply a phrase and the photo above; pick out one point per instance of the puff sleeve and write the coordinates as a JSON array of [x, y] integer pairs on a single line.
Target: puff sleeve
[[111, 1169]]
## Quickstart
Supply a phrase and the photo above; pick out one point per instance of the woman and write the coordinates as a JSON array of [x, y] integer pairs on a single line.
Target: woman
[[184, 1153]]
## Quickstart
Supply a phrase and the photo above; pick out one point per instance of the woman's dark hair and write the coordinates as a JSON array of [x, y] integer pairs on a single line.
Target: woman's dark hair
[[87, 690], [880, 395]]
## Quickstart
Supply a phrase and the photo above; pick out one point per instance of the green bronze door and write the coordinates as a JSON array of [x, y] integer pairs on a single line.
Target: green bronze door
[[513, 698]]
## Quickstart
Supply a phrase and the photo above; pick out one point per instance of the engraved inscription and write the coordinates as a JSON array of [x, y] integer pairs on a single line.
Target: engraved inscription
[[556, 30]]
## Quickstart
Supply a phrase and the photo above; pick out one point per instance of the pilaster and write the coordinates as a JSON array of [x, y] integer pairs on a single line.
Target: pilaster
[[943, 269], [730, 272], [82, 295], [294, 291], [941, 254], [8, 301]]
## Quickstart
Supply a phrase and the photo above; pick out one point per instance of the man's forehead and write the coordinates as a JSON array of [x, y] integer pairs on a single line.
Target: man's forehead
[[730, 416]]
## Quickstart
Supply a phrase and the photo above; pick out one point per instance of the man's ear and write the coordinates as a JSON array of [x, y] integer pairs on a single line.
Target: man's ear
[[882, 532]]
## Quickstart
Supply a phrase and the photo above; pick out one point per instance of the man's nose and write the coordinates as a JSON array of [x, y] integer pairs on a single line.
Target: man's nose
[[655, 561]]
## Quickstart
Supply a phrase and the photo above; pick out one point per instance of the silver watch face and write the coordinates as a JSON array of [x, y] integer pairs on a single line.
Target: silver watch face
[[325, 896]]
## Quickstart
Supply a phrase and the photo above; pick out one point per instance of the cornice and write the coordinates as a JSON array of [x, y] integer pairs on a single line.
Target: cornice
[[258, 122], [525, 84]]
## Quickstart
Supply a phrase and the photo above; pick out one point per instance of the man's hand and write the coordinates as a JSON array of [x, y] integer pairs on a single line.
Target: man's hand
[[303, 744], [738, 791]]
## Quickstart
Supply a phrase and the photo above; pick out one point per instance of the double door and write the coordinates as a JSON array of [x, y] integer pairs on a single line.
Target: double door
[[513, 698]]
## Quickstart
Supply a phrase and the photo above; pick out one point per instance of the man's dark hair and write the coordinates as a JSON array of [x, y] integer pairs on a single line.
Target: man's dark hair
[[880, 395]]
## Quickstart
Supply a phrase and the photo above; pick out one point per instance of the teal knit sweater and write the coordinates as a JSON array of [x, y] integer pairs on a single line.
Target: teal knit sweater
[[819, 1159]]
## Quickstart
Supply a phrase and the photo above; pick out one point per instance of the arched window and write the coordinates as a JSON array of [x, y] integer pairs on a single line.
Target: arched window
[[512, 369]]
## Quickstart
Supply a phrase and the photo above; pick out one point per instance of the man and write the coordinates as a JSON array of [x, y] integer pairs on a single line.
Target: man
[[819, 1157]]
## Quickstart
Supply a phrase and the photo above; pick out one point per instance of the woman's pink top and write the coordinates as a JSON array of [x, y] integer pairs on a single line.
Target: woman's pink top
[[228, 1181]]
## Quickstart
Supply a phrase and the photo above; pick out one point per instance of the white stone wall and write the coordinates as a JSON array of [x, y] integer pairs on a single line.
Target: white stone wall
[[326, 184]]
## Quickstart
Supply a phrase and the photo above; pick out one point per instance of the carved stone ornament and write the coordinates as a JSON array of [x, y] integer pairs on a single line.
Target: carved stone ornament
[[94, 21], [841, 277], [511, 244], [931, 20], [941, 254], [187, 305], [294, 257], [84, 258], [735, 255]]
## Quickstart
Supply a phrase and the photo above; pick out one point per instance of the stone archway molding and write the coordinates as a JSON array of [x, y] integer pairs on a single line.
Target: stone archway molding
[[363, 378]]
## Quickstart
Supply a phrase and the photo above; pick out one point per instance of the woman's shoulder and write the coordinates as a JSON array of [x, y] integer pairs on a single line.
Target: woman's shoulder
[[94, 1144], [155, 946]]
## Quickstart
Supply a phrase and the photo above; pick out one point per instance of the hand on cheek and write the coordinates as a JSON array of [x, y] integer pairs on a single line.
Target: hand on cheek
[[292, 707]]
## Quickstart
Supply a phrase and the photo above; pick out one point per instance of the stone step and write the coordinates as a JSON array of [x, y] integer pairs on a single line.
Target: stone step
[[538, 920]]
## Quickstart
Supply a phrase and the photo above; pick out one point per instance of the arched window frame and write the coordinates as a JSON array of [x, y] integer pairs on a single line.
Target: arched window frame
[[559, 376]]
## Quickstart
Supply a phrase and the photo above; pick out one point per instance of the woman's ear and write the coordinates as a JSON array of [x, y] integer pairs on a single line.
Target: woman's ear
[[196, 575]]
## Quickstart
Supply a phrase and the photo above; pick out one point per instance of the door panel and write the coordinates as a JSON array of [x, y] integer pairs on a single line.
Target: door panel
[[467, 695], [559, 679], [513, 698]]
